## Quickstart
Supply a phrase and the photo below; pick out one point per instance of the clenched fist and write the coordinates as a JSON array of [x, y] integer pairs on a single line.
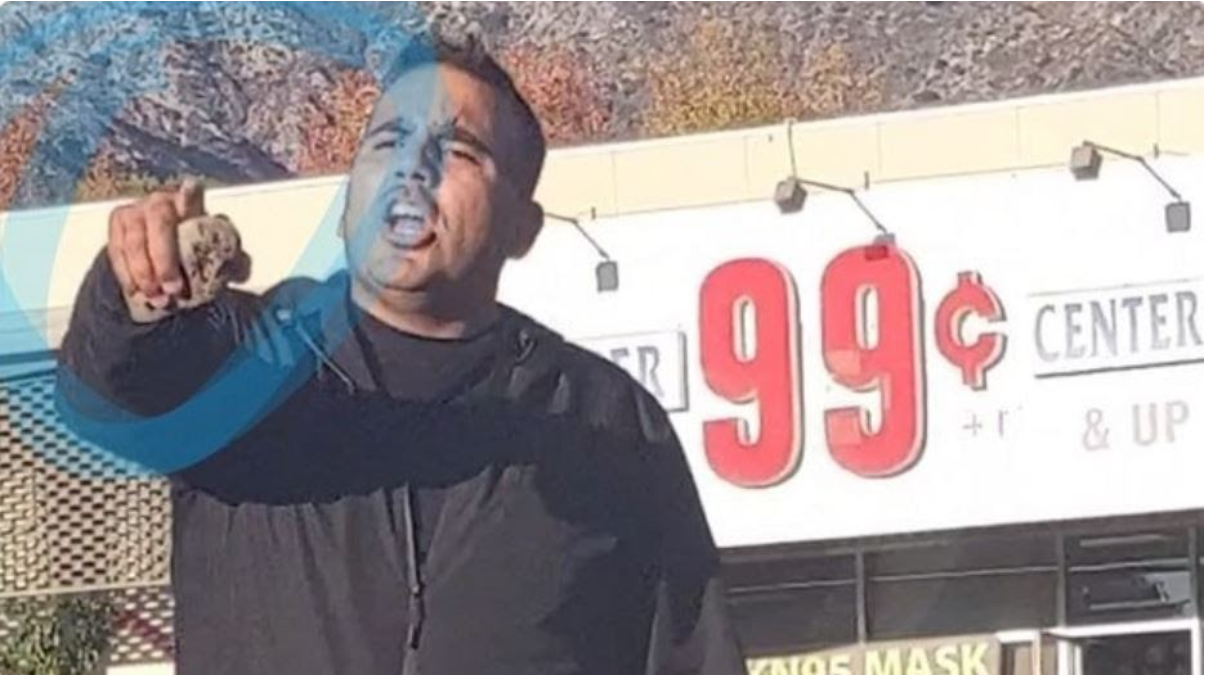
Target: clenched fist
[[168, 254]]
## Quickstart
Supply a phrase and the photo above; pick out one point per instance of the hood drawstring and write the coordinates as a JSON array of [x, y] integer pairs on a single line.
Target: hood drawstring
[[285, 317]]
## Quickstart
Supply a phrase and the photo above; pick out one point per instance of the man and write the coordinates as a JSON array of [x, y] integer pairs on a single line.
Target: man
[[450, 487]]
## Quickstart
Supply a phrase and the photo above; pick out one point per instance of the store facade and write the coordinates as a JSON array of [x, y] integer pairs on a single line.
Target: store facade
[[973, 448]]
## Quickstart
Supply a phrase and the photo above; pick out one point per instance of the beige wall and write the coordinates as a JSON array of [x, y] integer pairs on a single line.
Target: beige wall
[[746, 164]]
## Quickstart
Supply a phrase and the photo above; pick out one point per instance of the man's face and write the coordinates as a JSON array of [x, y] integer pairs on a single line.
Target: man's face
[[433, 208]]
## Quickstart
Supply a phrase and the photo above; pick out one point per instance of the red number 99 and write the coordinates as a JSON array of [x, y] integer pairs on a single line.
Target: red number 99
[[764, 373]]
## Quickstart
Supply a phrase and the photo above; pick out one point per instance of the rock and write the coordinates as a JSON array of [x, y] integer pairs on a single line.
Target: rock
[[212, 256]]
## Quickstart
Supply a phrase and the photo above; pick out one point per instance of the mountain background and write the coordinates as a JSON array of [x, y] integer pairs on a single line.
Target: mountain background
[[99, 100]]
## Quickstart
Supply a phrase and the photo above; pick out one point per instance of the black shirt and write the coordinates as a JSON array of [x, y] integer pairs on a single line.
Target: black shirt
[[412, 367]]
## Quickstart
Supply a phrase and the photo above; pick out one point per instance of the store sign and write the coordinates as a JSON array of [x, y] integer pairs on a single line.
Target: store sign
[[965, 655], [1119, 327], [1029, 348]]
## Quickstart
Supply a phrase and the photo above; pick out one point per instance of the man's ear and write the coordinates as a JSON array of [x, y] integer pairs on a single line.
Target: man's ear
[[527, 227]]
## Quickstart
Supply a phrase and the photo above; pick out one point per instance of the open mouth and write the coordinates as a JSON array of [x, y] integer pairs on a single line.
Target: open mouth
[[408, 226]]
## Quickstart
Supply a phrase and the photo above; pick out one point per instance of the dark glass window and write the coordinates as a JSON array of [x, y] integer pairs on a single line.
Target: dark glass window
[[974, 604], [965, 555], [754, 571], [789, 604], [1139, 654], [1136, 576], [777, 622], [1112, 548], [964, 586]]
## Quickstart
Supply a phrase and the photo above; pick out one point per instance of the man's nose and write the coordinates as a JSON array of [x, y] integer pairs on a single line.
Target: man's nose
[[422, 164]]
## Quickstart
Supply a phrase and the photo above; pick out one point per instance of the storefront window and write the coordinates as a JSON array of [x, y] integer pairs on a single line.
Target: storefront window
[[993, 599], [1125, 578], [962, 587], [962, 605], [784, 605], [1163, 653], [774, 622]]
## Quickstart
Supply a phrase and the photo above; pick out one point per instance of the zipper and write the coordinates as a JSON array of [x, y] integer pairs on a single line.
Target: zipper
[[416, 607], [414, 581]]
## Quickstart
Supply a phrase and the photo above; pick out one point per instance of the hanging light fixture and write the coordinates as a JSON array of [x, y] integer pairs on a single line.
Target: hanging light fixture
[[607, 272], [1085, 165], [792, 192]]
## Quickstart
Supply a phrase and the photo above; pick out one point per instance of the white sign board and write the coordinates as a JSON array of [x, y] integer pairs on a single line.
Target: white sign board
[[1029, 349]]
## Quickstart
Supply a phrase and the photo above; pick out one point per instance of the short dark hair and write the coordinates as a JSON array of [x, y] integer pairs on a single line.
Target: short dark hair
[[468, 55]]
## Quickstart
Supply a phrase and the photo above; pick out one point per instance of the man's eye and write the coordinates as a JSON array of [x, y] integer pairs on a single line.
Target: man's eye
[[463, 154], [384, 145]]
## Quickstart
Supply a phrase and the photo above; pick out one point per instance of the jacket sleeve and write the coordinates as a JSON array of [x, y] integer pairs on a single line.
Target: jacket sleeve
[[692, 632], [111, 367]]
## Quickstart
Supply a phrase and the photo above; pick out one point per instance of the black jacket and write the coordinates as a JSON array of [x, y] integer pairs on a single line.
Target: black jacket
[[571, 537]]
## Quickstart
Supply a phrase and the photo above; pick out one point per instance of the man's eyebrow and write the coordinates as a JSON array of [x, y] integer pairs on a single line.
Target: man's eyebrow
[[396, 125], [461, 135]]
